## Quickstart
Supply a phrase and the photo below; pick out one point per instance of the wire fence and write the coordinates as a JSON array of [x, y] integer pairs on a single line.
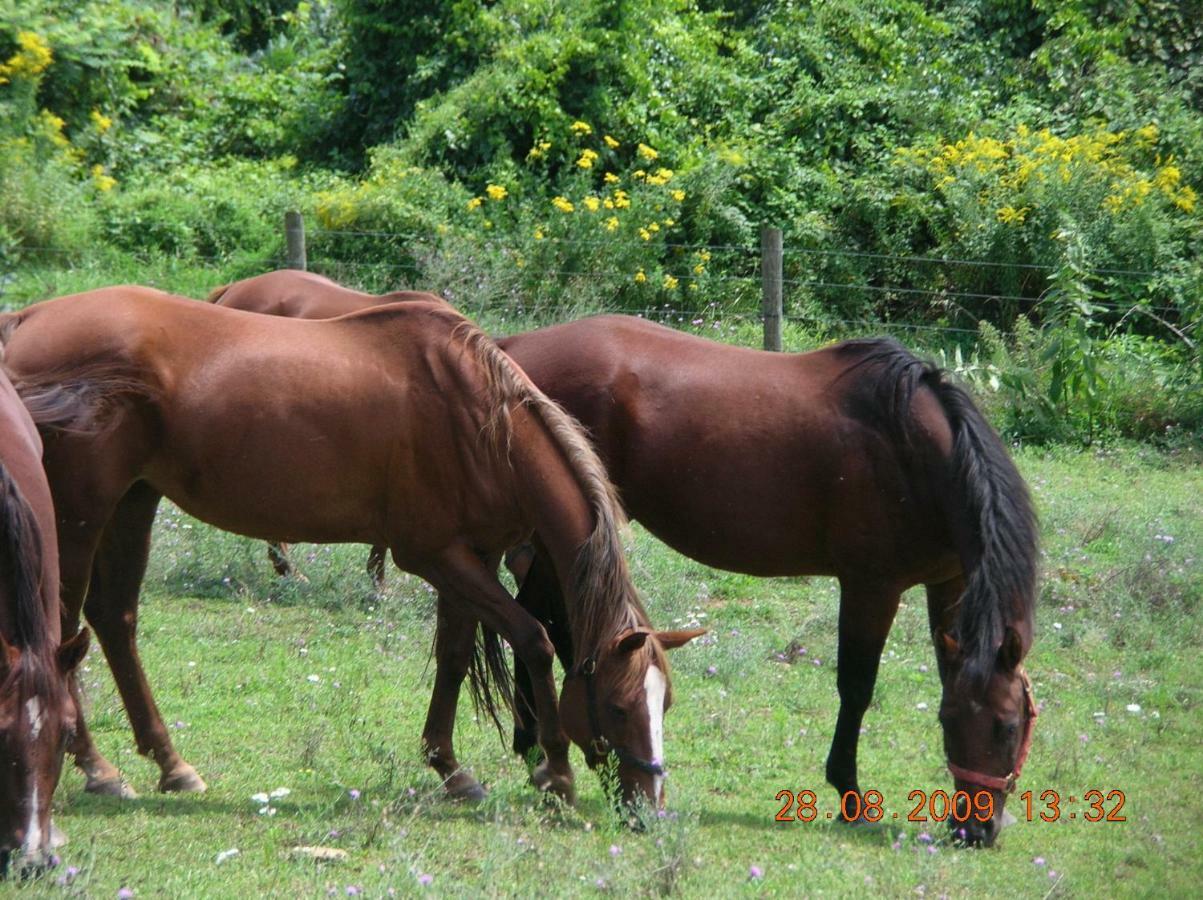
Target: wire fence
[[812, 299]]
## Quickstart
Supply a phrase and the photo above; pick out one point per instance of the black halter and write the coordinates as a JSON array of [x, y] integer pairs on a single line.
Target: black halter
[[598, 742]]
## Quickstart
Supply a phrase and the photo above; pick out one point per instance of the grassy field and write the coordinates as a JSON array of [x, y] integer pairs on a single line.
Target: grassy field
[[321, 688]]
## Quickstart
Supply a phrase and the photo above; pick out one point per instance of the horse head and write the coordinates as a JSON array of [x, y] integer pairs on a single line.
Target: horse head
[[37, 721], [987, 719], [614, 703]]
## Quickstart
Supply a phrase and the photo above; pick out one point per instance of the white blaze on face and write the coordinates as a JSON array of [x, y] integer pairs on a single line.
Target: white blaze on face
[[655, 686], [33, 831], [33, 710]]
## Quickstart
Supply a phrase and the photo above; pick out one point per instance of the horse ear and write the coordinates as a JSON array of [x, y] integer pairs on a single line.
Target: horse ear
[[948, 644], [631, 641], [71, 652], [1010, 654], [671, 640]]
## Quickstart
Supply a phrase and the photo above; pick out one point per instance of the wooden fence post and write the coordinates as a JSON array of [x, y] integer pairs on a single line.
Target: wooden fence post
[[771, 281], [294, 236]]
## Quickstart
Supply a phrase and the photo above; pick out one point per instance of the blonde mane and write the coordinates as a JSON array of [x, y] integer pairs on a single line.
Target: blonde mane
[[605, 602]]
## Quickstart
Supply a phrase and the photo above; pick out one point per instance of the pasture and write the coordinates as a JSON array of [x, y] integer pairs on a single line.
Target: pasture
[[320, 687]]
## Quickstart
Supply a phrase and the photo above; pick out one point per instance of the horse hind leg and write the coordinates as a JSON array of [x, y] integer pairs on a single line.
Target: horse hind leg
[[866, 614], [453, 646], [112, 610], [376, 566], [278, 554]]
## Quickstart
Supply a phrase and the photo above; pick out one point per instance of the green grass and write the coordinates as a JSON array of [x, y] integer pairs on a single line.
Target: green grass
[[231, 651]]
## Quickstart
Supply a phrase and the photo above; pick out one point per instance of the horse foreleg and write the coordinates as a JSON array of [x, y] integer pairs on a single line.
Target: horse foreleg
[[112, 610], [866, 614], [539, 595], [463, 573], [453, 655]]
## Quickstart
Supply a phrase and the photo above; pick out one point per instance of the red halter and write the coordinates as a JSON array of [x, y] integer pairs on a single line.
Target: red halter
[[1007, 784]]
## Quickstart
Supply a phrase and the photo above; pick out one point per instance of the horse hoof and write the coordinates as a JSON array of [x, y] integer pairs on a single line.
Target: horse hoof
[[554, 784], [183, 780], [110, 787], [471, 792], [466, 788]]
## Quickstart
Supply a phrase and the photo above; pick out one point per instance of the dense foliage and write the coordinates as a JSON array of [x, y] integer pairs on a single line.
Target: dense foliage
[[1030, 164]]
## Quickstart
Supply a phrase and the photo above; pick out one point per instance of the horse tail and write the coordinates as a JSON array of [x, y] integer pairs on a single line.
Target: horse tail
[[74, 398], [217, 292], [490, 680], [988, 498], [21, 553]]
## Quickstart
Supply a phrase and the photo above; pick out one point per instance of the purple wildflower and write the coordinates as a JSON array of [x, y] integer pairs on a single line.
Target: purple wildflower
[[755, 872]]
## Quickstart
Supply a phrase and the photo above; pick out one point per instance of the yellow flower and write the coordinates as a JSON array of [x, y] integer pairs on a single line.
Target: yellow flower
[[591, 203], [580, 127], [475, 203], [1185, 200], [679, 196], [33, 58], [538, 234], [640, 278], [639, 173], [611, 143], [587, 157], [1009, 215], [699, 269], [1149, 133], [102, 122], [610, 178], [646, 152], [102, 181], [669, 223], [645, 234], [670, 282], [612, 223], [539, 149], [497, 192], [653, 227], [621, 199], [703, 255], [608, 203], [563, 204]]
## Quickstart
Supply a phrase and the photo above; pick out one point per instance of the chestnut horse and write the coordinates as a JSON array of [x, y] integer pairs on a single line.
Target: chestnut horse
[[37, 714], [857, 461], [302, 295], [402, 426]]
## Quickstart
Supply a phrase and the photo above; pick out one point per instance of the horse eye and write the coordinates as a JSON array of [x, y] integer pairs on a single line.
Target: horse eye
[[617, 711]]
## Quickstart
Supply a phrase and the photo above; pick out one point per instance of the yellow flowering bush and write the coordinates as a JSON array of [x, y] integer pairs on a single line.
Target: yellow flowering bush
[[1012, 198]]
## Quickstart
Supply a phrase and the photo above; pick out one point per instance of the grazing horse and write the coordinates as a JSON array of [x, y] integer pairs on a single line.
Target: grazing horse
[[857, 460], [402, 426], [302, 295], [37, 714]]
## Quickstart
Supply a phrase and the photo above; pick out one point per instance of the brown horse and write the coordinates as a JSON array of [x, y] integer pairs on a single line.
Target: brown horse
[[857, 460], [36, 712], [402, 426], [302, 295]]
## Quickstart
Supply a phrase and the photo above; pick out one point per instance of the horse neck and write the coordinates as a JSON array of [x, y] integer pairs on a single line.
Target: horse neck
[[578, 522]]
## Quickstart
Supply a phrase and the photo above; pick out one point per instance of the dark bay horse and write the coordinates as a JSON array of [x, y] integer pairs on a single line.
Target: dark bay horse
[[402, 426], [37, 714], [858, 461]]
